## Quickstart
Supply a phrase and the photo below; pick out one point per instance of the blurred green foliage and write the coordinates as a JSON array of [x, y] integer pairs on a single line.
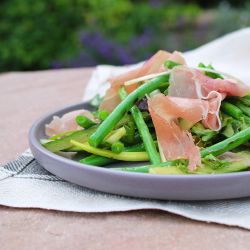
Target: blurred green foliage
[[124, 19], [33, 33], [38, 34]]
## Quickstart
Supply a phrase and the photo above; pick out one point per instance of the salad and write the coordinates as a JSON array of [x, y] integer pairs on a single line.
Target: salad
[[176, 118]]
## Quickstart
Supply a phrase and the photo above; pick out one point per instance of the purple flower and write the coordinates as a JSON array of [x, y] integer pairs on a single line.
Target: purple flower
[[98, 48], [155, 3]]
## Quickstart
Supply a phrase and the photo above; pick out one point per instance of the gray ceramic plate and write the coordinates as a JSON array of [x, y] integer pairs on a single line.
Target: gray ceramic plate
[[166, 187]]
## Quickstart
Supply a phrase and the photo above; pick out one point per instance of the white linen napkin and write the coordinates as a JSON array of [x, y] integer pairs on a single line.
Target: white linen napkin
[[24, 183], [230, 53]]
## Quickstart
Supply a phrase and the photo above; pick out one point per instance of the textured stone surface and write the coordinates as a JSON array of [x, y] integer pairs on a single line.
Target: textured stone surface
[[24, 97]]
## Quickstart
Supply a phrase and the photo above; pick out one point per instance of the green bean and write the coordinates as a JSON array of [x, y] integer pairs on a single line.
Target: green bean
[[210, 74], [234, 111], [170, 64], [245, 100], [228, 144], [108, 124], [117, 147], [143, 130], [103, 114], [231, 109], [97, 160], [84, 121], [245, 109]]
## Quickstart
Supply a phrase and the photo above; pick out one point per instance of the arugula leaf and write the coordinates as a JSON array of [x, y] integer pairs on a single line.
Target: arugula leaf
[[170, 64], [234, 126], [213, 162], [202, 133]]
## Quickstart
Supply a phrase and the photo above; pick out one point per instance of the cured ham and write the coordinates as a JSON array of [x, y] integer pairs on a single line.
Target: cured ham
[[66, 122], [153, 65], [192, 110], [177, 143], [225, 86], [213, 121], [191, 83]]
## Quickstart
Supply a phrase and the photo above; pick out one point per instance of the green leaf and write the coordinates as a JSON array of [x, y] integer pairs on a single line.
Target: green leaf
[[170, 64], [204, 134], [213, 162]]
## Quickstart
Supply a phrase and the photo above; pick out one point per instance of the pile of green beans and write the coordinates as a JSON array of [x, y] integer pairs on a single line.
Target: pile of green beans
[[216, 149], [108, 124], [143, 130]]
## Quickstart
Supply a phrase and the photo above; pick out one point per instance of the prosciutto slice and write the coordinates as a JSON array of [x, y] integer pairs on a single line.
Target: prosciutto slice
[[153, 65], [213, 121], [191, 83], [177, 143], [66, 122], [224, 86]]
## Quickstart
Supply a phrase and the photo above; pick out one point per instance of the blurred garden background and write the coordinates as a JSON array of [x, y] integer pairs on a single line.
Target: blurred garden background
[[42, 34]]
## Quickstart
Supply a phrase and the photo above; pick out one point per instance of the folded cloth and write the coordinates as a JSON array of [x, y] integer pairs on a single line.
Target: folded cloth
[[229, 53], [24, 183]]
